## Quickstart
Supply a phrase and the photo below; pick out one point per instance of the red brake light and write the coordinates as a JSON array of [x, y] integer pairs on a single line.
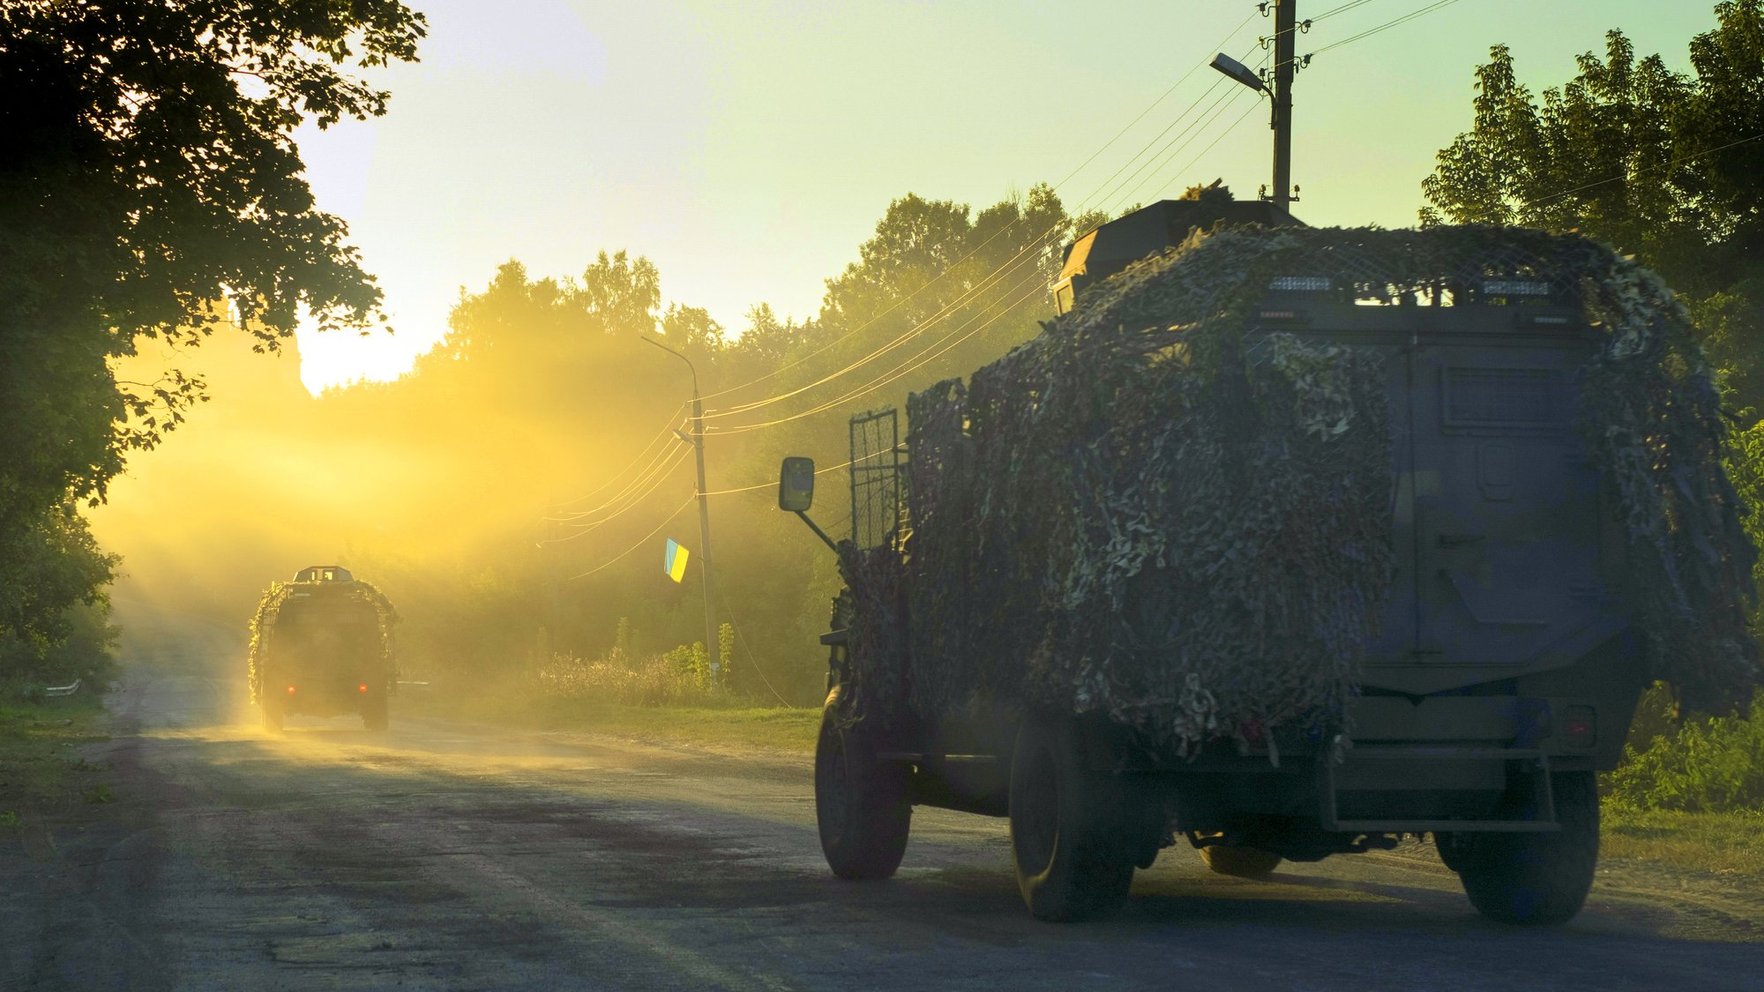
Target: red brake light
[[290, 690], [1580, 726], [362, 687]]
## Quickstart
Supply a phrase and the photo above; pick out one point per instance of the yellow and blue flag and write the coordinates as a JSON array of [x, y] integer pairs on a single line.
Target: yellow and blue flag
[[676, 561]]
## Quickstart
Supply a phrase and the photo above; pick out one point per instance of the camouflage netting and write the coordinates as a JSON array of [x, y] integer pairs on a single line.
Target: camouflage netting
[[269, 609], [1142, 512]]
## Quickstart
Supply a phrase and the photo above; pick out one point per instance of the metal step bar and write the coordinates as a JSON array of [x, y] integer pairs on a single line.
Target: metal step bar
[[1543, 796]]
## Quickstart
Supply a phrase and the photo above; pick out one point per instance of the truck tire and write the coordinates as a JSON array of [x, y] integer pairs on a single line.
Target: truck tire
[[1069, 866], [861, 804], [1534, 878], [1240, 862]]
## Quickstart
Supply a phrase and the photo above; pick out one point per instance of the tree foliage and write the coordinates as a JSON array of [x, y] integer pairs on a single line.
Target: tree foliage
[[149, 184], [1666, 166]]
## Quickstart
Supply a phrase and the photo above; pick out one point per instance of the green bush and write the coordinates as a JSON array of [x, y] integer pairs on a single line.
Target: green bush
[[680, 677], [1709, 764]]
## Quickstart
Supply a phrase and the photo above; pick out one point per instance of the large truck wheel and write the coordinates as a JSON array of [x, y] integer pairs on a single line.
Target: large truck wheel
[[861, 804], [1534, 878], [1069, 866], [1240, 862]]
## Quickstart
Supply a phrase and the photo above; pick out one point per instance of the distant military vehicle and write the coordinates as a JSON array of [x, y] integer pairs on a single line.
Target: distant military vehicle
[[1288, 543], [322, 645]]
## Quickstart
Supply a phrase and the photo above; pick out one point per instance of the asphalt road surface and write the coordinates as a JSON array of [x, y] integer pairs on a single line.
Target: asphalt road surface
[[444, 856]]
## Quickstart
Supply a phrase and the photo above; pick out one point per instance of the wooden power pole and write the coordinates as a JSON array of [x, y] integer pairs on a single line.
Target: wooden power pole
[[1285, 38]]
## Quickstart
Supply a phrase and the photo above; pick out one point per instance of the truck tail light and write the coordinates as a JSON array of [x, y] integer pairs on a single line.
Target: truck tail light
[[362, 687], [1580, 726], [290, 690]]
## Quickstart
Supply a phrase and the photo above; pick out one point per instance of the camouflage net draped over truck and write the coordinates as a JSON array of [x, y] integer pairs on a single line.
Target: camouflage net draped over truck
[[1144, 514], [269, 609]]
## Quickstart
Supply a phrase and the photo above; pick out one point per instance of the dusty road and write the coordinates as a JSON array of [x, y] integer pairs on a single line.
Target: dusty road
[[455, 857]]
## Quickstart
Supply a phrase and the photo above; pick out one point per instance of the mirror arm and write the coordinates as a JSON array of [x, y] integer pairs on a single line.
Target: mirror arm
[[818, 531]]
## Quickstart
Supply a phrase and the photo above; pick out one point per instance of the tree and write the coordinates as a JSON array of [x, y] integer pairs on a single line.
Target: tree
[[1666, 166], [49, 569], [150, 187]]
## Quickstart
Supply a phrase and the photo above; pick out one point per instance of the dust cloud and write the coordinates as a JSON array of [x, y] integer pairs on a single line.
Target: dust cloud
[[450, 489]]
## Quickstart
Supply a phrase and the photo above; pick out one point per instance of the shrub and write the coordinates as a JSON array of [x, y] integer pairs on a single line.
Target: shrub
[[677, 678], [1709, 764]]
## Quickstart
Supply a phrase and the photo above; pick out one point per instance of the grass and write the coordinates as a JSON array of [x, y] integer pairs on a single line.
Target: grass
[[40, 775], [1729, 844], [749, 728]]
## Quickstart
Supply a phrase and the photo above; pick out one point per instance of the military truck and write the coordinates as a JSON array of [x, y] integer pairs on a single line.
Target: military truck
[[1286, 543], [322, 645]]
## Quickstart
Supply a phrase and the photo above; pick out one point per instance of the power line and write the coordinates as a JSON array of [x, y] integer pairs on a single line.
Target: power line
[[1386, 26], [642, 541], [1069, 176], [1675, 163], [667, 429], [1186, 136], [933, 351], [1304, 26], [1163, 156], [639, 479], [918, 361], [772, 485], [1216, 138], [1027, 252], [1165, 95], [948, 309], [659, 479], [1344, 8], [735, 625]]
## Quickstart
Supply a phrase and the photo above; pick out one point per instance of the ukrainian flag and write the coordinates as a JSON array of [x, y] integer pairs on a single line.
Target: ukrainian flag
[[676, 561]]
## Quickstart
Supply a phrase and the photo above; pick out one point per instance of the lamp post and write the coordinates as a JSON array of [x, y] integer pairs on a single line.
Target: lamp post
[[697, 440], [1285, 27]]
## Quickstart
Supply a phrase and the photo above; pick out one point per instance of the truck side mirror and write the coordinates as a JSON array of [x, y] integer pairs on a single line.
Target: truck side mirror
[[796, 484]]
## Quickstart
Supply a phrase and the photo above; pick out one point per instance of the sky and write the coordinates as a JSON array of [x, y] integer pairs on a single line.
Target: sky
[[748, 148]]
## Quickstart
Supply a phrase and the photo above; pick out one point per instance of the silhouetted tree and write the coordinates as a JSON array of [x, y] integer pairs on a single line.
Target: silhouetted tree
[[1663, 165], [148, 172]]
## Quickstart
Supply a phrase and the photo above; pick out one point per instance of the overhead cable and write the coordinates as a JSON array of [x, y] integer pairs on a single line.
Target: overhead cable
[[1386, 26], [1068, 178], [621, 556]]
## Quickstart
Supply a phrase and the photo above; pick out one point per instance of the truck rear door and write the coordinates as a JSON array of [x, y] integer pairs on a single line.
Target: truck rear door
[[1502, 503]]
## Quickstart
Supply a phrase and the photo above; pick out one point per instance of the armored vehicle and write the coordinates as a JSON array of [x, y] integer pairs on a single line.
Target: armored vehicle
[[322, 645], [1286, 543]]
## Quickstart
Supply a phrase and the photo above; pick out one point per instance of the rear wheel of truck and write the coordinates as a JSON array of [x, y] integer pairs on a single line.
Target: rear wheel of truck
[[861, 804], [1534, 878], [1240, 862], [1062, 829]]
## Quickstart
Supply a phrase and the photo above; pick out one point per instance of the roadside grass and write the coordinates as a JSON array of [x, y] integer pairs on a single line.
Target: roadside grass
[[774, 728], [40, 776], [1730, 844]]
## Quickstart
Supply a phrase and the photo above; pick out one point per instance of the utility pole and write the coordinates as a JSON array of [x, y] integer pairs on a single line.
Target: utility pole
[[704, 551], [1286, 25], [1285, 38]]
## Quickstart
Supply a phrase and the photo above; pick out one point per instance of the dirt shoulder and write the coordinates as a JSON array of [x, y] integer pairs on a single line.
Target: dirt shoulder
[[66, 841], [730, 730]]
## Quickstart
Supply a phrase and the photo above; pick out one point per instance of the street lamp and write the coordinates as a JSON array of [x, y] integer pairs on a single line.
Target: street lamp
[[1238, 71], [704, 565], [1285, 27]]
